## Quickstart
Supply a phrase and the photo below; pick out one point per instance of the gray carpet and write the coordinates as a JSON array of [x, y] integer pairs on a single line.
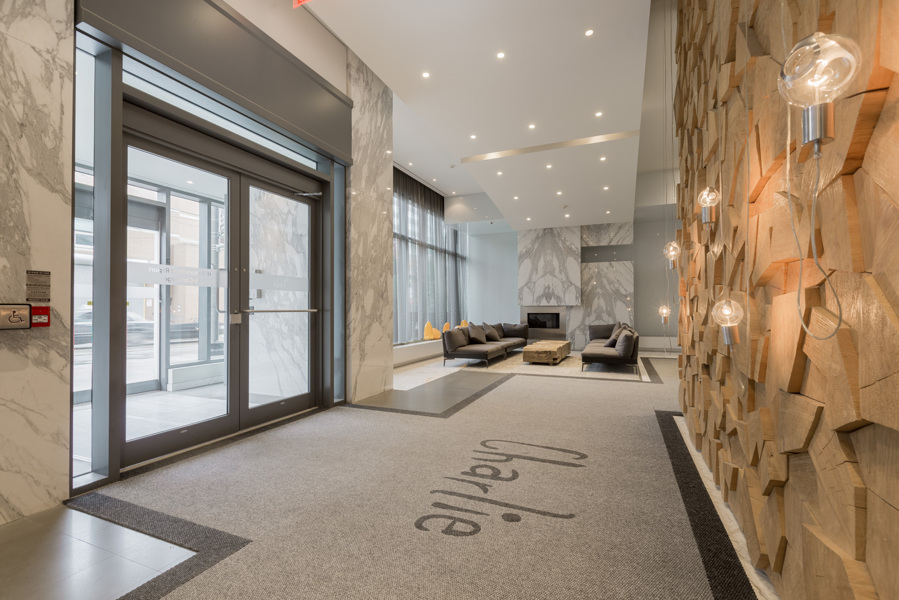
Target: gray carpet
[[330, 502]]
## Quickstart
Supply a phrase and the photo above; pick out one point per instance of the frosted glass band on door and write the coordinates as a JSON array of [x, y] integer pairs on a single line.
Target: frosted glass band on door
[[259, 281], [155, 274]]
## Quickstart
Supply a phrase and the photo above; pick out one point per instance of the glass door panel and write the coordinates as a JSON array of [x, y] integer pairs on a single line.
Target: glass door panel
[[177, 290], [278, 313]]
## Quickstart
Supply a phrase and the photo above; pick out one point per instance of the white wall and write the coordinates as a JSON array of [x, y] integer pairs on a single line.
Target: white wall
[[654, 282], [493, 278]]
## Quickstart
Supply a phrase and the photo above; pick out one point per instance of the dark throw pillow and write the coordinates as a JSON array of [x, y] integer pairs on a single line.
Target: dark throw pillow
[[615, 335], [499, 330], [452, 339], [477, 335], [490, 332], [625, 345], [519, 330]]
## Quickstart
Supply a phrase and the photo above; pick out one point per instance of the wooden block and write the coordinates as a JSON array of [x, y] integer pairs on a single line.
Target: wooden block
[[773, 528], [831, 573], [877, 449], [883, 149], [841, 497], [741, 503], [787, 361], [760, 362], [883, 546], [840, 231], [879, 225], [796, 421], [889, 44], [773, 468], [878, 402]]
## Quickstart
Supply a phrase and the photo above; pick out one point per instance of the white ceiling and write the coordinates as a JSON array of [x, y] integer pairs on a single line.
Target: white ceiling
[[552, 76]]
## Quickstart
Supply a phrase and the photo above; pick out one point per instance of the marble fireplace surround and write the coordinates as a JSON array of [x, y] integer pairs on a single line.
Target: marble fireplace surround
[[538, 333]]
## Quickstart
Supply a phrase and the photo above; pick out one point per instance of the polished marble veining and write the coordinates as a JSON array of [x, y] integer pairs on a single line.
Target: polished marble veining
[[608, 296], [370, 235], [549, 267], [36, 92], [607, 234]]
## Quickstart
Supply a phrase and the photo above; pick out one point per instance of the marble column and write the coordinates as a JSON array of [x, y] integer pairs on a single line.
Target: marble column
[[369, 235], [36, 118]]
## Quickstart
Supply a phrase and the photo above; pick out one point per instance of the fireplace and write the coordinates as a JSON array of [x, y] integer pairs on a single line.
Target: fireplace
[[543, 320]]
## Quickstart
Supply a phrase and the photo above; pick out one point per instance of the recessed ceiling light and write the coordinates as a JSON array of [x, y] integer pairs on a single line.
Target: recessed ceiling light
[[425, 74], [475, 207], [529, 218], [390, 152], [410, 164], [588, 33], [474, 137], [608, 212], [454, 193], [549, 166], [190, 182], [567, 215], [388, 188], [558, 193], [599, 114], [433, 180], [531, 126], [606, 187], [515, 198], [602, 158], [500, 55]]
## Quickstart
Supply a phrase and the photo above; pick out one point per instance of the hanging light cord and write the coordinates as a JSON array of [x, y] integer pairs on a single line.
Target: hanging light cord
[[813, 215]]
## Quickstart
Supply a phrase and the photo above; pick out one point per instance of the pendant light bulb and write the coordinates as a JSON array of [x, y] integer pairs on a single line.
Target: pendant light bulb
[[664, 312], [819, 70], [728, 315], [671, 251], [708, 198]]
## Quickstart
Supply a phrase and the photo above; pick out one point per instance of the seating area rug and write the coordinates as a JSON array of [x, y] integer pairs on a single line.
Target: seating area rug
[[542, 488]]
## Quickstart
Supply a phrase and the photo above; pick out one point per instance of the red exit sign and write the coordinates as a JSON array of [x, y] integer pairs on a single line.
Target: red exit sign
[[298, 3]]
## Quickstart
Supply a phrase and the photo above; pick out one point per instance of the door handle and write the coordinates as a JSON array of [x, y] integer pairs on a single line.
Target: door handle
[[296, 310]]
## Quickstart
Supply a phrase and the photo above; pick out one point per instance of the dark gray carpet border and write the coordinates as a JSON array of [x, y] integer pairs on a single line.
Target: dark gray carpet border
[[445, 414], [727, 579], [211, 545]]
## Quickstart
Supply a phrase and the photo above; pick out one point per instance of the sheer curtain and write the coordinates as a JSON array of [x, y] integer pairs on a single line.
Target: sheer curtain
[[429, 258]]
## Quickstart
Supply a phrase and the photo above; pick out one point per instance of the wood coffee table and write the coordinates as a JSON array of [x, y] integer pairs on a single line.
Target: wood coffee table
[[548, 352]]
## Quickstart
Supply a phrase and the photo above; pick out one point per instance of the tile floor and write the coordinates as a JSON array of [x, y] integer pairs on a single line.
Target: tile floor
[[65, 554]]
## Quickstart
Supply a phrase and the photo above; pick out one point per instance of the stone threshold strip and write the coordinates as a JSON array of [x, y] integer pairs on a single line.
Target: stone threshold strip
[[457, 526]]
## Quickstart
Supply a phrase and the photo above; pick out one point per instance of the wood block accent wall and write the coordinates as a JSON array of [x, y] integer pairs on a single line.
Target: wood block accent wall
[[801, 434]]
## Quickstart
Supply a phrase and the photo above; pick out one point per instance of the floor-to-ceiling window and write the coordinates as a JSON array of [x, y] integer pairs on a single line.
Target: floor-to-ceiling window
[[429, 262]]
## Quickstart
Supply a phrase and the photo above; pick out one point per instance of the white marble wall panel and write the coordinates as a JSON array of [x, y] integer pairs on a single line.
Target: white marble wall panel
[[36, 107], [549, 267], [608, 296], [370, 235], [607, 234]]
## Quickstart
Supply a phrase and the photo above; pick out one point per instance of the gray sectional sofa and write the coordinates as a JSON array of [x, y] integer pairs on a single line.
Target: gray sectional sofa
[[616, 344], [484, 342]]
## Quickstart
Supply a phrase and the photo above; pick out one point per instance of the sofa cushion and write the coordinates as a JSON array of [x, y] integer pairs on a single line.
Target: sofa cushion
[[488, 350], [519, 330], [625, 345], [596, 351], [477, 335], [610, 343], [452, 339], [600, 332], [491, 333], [499, 330], [514, 341]]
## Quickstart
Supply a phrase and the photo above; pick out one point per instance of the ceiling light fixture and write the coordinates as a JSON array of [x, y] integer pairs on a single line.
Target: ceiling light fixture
[[531, 126], [588, 33], [558, 193], [390, 152], [529, 218], [549, 166], [190, 182], [602, 158], [410, 164], [474, 137], [500, 55], [425, 74], [608, 212], [515, 198], [567, 215], [606, 188], [499, 172], [599, 114]]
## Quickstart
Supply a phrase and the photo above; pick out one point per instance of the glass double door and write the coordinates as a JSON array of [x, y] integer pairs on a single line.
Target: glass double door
[[221, 282]]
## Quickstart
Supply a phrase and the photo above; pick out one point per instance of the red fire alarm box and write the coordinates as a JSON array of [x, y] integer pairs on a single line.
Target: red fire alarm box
[[40, 316]]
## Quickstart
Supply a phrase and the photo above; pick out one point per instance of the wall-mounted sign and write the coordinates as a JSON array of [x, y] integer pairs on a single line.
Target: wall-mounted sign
[[37, 286]]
